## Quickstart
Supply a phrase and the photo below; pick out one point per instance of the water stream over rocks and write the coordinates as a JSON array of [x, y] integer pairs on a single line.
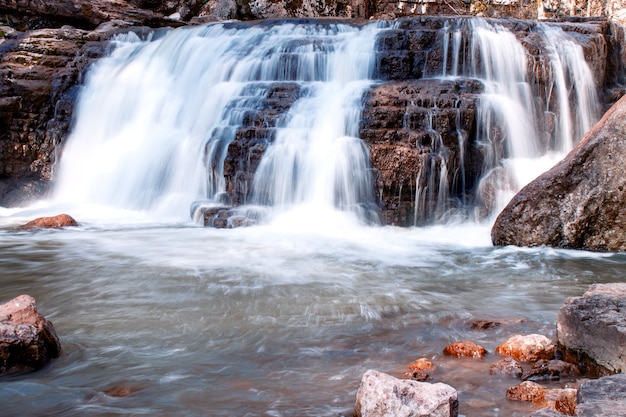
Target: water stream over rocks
[[159, 316]]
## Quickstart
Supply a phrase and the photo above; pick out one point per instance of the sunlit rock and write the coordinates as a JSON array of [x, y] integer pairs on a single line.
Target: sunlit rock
[[465, 349], [54, 222], [381, 395], [580, 202], [527, 348], [591, 330], [27, 339], [420, 369]]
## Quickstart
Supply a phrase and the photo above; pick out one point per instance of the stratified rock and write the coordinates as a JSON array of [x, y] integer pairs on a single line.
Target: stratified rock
[[381, 395], [40, 73], [527, 348], [54, 222], [580, 202], [506, 366], [591, 330], [465, 349], [27, 339], [603, 397]]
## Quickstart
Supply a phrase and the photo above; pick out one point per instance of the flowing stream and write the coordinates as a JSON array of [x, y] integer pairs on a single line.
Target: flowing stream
[[159, 316]]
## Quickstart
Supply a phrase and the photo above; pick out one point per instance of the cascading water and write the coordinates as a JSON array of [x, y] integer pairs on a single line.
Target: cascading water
[[157, 117], [515, 114]]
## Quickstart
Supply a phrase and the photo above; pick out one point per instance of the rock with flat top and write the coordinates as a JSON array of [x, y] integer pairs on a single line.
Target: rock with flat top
[[591, 330], [602, 397], [381, 395], [27, 340]]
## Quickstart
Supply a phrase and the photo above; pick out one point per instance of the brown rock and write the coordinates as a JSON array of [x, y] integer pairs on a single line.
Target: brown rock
[[552, 370], [488, 324], [54, 222], [419, 369], [566, 402], [27, 339], [506, 366], [529, 348], [580, 202], [465, 349], [527, 391]]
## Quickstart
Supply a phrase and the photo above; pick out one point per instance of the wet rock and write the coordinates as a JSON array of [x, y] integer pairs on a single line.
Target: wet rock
[[465, 349], [602, 397], [27, 340], [54, 222], [551, 370], [546, 412], [488, 324], [420, 369], [578, 203], [506, 366], [527, 391], [566, 401], [416, 130], [527, 348], [381, 395], [591, 330]]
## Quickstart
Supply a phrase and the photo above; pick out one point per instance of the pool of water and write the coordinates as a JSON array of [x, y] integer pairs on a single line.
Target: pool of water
[[171, 319]]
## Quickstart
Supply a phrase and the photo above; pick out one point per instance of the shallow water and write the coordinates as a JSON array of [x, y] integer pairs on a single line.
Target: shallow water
[[278, 320]]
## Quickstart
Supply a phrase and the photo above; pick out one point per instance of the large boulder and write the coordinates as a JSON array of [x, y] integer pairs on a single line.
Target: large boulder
[[381, 395], [591, 330], [580, 203], [27, 339]]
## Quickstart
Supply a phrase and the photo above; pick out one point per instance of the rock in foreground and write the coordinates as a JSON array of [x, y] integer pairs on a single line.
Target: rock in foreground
[[591, 330], [602, 397], [580, 202], [381, 395], [27, 339]]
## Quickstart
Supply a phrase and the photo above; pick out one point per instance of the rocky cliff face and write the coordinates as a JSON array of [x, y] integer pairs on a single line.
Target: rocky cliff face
[[421, 133]]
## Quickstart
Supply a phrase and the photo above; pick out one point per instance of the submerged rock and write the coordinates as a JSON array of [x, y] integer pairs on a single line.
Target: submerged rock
[[54, 222], [506, 366], [27, 339], [591, 330], [420, 369], [381, 395], [580, 202], [465, 349]]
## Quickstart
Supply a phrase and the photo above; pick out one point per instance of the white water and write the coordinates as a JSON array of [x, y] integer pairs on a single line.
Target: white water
[[156, 118], [511, 114]]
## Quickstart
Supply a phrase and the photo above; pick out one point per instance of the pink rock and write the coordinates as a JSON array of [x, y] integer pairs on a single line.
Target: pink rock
[[529, 348]]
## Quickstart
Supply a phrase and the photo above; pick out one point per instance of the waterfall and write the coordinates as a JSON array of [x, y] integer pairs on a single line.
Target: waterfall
[[515, 114], [260, 119], [156, 118]]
